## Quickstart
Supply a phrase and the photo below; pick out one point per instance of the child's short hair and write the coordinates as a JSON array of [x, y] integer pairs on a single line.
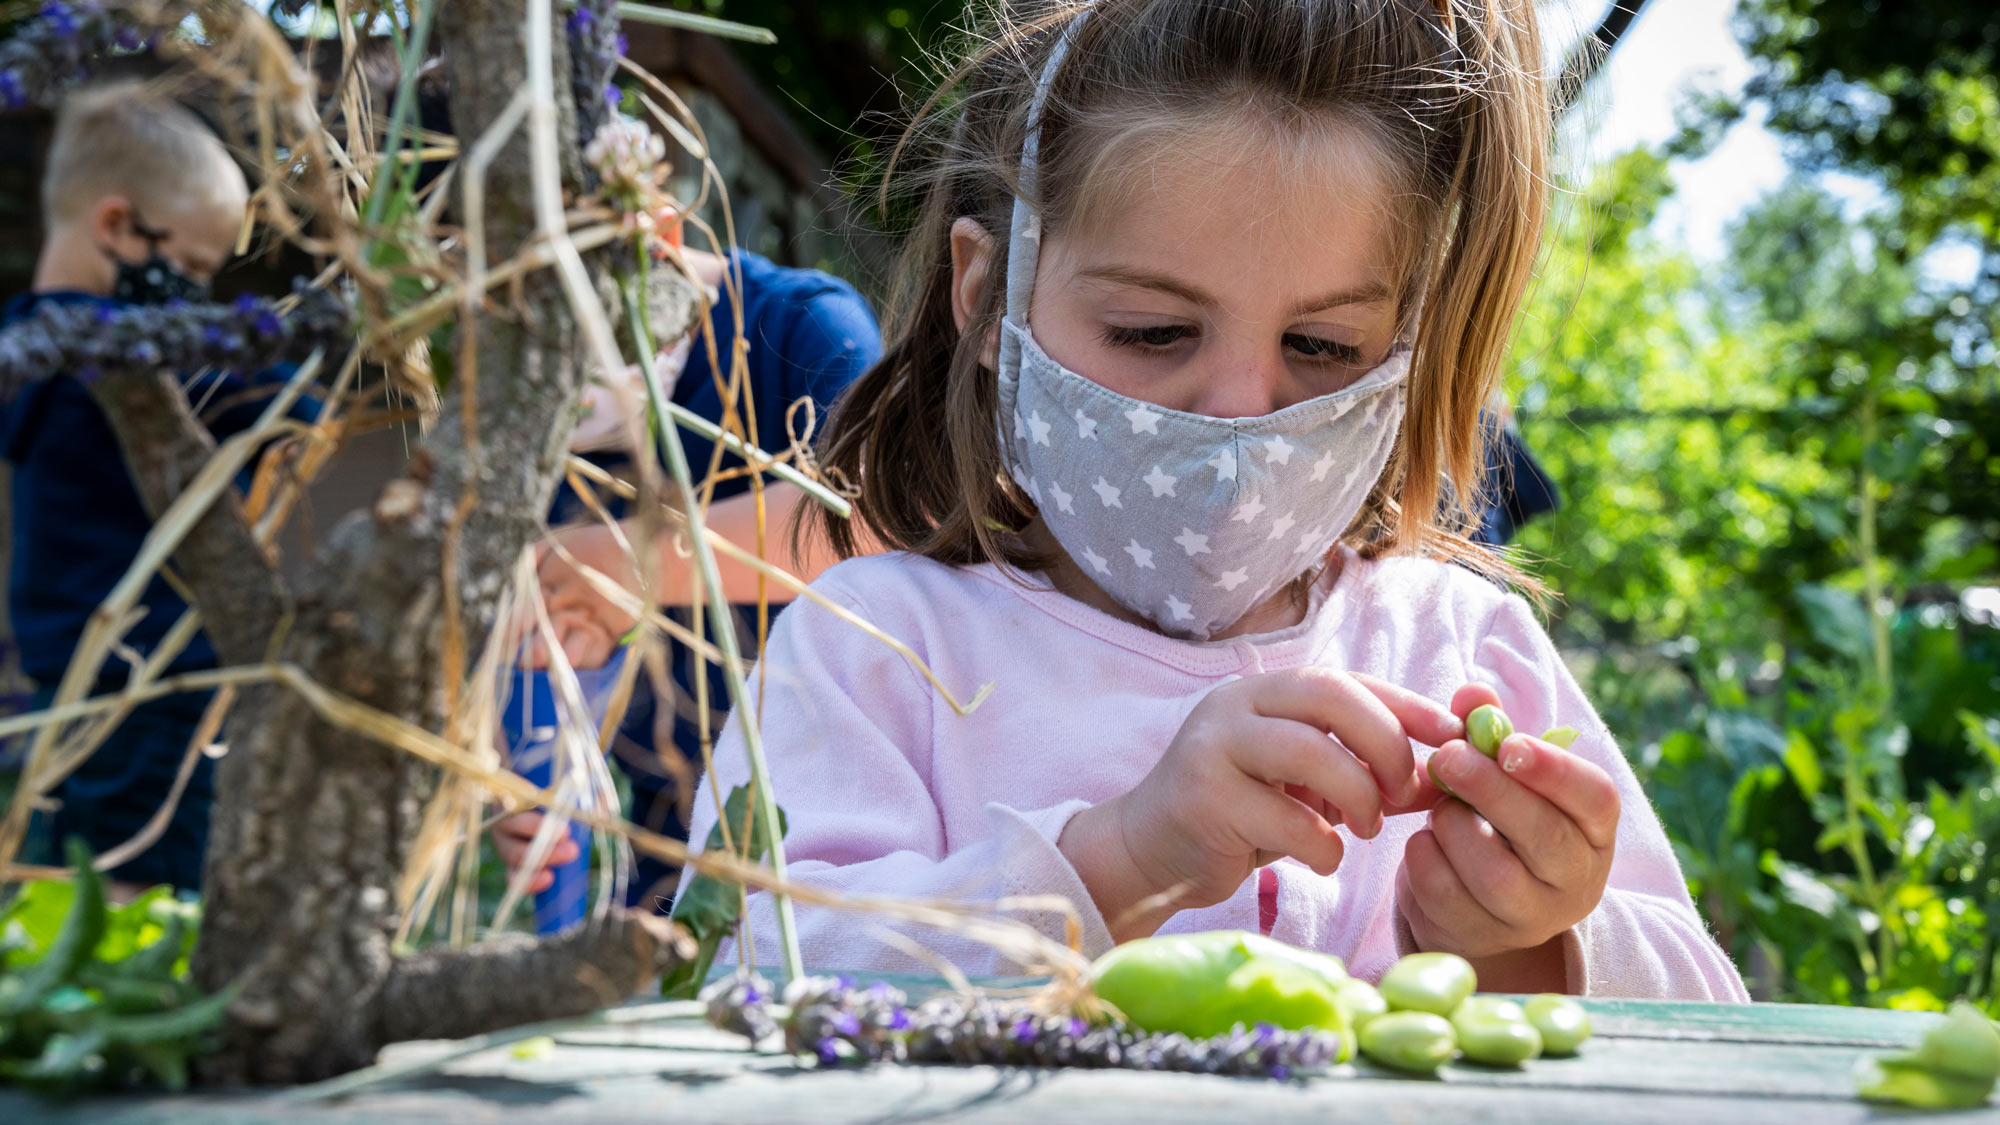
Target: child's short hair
[[128, 138], [1448, 95]]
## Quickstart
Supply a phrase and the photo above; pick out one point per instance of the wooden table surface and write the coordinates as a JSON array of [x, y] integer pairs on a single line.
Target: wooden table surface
[[1649, 1062]]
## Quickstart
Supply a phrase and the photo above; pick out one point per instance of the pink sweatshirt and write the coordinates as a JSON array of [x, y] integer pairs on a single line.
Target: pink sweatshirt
[[888, 791]]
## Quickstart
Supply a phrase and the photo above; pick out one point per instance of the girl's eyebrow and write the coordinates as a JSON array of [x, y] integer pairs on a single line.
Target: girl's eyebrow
[[1372, 293]]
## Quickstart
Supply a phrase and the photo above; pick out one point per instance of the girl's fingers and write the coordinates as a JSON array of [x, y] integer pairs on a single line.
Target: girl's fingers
[[1339, 705], [1441, 895], [1492, 873], [1553, 845], [1471, 697], [1275, 824], [1422, 717], [1281, 752], [1586, 794]]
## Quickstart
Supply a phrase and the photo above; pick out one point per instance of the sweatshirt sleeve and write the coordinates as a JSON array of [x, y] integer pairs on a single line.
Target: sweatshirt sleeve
[[1645, 938], [849, 730]]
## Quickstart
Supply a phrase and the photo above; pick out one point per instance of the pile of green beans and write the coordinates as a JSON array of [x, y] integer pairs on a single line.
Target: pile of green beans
[[1425, 1013], [1435, 1015]]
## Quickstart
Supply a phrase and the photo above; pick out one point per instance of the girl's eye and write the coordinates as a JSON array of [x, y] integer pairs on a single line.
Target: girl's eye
[[1153, 336], [1318, 347]]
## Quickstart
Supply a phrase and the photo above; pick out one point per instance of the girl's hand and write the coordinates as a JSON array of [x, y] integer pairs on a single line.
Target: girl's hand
[[1521, 857], [1253, 776], [511, 837]]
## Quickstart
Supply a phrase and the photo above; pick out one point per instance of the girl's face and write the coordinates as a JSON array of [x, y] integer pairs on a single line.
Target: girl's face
[[1228, 288]]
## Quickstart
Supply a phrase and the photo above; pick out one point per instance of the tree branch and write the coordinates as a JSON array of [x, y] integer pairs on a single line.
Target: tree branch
[[514, 979], [237, 586], [1589, 55]]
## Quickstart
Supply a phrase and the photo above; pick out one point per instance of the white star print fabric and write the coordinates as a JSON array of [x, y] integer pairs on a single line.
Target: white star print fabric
[[1187, 520]]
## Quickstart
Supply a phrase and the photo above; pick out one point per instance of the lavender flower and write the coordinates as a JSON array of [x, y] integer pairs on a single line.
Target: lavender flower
[[836, 1024], [91, 341], [52, 51], [595, 46]]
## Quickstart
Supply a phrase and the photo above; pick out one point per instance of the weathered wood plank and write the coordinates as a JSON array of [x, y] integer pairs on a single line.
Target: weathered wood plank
[[1651, 1062]]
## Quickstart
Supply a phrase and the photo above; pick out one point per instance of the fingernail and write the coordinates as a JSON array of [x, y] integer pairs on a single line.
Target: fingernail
[[1517, 754], [1457, 765]]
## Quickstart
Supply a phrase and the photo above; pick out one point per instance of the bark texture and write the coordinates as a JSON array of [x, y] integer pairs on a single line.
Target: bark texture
[[312, 826]]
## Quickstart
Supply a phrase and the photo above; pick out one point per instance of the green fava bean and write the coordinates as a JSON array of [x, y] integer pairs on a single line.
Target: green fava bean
[[1205, 984], [1486, 728], [1419, 1042], [1359, 1001], [1495, 1031], [1429, 982], [1561, 1021], [1564, 737]]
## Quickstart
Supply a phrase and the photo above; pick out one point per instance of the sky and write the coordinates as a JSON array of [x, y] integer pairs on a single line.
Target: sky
[[1675, 46]]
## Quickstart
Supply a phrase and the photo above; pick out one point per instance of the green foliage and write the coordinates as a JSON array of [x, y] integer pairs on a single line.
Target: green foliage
[[1779, 481], [94, 996]]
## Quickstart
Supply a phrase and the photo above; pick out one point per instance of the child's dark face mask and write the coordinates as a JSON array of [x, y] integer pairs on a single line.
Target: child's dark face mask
[[156, 279]]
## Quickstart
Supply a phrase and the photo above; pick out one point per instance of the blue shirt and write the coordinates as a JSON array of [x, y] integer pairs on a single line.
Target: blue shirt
[[78, 519], [810, 335]]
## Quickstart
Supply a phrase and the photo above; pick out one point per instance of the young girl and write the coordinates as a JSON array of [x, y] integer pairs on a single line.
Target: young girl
[[1194, 335]]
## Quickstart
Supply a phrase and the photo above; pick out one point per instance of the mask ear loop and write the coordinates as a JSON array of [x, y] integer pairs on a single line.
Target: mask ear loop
[[1024, 235]]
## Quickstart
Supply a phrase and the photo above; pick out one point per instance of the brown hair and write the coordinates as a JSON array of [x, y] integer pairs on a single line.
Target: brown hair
[[1449, 92]]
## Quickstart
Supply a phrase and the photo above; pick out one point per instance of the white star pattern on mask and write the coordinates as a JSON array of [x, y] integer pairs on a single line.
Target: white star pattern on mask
[[1040, 428], [1141, 557], [1249, 510], [1180, 609], [1322, 466], [1312, 540], [1233, 578], [1020, 427], [1193, 542], [1160, 482], [1224, 464], [1282, 527], [1032, 229], [1145, 421], [1278, 451], [1086, 426], [1062, 498], [1107, 493], [1096, 561]]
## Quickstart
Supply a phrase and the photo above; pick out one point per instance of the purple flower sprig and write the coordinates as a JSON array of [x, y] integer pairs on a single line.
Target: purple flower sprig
[[595, 46], [52, 51], [837, 1024], [91, 341]]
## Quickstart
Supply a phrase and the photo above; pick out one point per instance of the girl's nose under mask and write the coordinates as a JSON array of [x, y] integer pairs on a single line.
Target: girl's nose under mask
[[1186, 520]]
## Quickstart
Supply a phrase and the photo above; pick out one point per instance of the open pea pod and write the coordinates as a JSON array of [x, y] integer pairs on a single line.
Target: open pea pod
[[708, 907], [82, 928], [1956, 1065], [1205, 984]]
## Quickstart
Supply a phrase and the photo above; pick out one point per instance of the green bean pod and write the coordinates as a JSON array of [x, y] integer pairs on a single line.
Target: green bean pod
[[1486, 728], [1418, 1042], [1561, 1022], [1429, 982], [1204, 984], [1495, 1031], [1955, 1066]]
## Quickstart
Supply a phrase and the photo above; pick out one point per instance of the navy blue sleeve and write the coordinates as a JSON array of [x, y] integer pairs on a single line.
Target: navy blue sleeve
[[831, 342]]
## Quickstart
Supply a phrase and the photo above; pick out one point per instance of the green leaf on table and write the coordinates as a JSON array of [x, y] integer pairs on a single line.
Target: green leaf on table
[[709, 907]]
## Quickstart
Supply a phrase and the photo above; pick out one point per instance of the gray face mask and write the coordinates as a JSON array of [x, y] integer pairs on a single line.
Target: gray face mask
[[1186, 520]]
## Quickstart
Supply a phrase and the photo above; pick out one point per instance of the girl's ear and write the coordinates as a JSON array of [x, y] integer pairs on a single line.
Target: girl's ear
[[971, 264]]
